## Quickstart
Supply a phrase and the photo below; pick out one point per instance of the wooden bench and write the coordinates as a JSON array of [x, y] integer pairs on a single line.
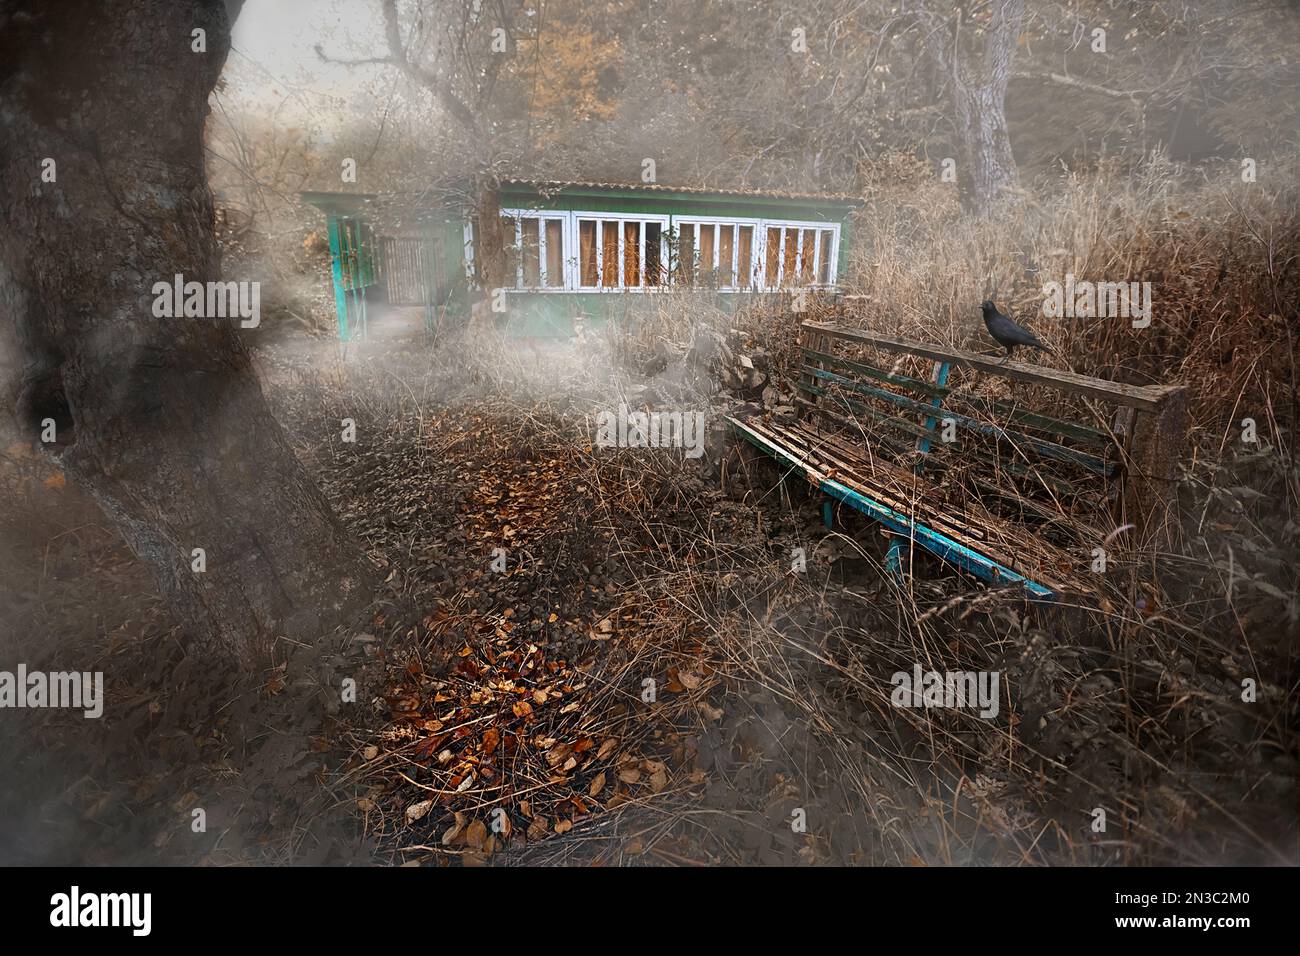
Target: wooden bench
[[1042, 467]]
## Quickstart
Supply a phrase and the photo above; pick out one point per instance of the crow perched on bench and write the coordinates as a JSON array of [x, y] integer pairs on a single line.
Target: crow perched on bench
[[1006, 330]]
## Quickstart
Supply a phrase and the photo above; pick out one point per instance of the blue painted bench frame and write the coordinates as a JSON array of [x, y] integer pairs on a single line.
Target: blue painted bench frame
[[1150, 435], [900, 524]]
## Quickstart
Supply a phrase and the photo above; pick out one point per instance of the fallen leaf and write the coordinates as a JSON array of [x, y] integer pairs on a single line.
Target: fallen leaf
[[476, 835], [418, 811]]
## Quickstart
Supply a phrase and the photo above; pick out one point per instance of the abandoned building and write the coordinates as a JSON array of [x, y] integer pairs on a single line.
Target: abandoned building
[[544, 255]]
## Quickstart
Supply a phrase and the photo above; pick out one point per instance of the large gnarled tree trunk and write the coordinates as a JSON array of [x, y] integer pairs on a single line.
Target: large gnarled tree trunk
[[162, 419]]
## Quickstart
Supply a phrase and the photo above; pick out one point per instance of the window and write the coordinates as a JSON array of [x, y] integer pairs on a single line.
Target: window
[[554, 251], [798, 254], [533, 242], [619, 252], [718, 253]]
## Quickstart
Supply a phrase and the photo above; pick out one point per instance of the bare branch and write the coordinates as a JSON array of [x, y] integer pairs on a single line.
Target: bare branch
[[397, 57]]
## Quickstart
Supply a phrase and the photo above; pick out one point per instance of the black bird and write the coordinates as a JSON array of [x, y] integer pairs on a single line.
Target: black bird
[[1006, 330]]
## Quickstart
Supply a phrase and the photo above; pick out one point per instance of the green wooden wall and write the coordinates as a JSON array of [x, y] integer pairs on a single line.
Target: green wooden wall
[[356, 270]]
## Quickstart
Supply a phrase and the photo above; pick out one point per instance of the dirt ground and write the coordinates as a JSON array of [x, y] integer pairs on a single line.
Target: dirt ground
[[644, 681]]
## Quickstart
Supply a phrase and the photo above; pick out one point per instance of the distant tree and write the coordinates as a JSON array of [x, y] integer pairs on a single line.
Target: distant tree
[[974, 46]]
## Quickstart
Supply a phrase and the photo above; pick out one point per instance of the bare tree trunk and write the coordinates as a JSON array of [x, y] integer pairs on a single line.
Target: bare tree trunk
[[987, 166], [162, 419]]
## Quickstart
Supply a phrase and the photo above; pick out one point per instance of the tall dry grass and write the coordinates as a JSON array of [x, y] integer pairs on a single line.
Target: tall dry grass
[[1221, 255]]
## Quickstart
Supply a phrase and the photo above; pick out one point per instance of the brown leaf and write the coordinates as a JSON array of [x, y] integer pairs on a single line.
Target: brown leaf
[[597, 785], [607, 748], [557, 754], [710, 714], [476, 835]]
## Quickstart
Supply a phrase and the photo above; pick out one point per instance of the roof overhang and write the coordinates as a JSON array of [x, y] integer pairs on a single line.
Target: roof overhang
[[760, 197]]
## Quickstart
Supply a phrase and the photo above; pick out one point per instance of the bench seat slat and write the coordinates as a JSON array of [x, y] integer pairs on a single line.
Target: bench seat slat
[[810, 461], [896, 492], [907, 493], [986, 558]]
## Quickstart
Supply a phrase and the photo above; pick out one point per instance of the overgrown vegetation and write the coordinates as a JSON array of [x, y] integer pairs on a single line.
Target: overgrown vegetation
[[775, 686], [506, 716]]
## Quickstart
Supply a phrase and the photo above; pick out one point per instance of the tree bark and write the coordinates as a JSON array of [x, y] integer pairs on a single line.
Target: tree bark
[[162, 419], [988, 166]]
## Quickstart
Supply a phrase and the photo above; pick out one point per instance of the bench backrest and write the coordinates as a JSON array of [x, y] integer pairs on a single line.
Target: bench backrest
[[1037, 442]]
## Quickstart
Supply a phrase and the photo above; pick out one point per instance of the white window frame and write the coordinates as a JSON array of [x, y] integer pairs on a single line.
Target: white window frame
[[468, 231], [669, 224], [766, 282], [542, 215], [716, 222], [575, 246]]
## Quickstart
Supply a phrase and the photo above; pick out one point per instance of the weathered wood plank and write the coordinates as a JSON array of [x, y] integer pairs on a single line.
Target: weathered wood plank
[[1155, 449], [1047, 449], [908, 493], [1144, 397], [1045, 423], [949, 547], [914, 384], [879, 417]]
